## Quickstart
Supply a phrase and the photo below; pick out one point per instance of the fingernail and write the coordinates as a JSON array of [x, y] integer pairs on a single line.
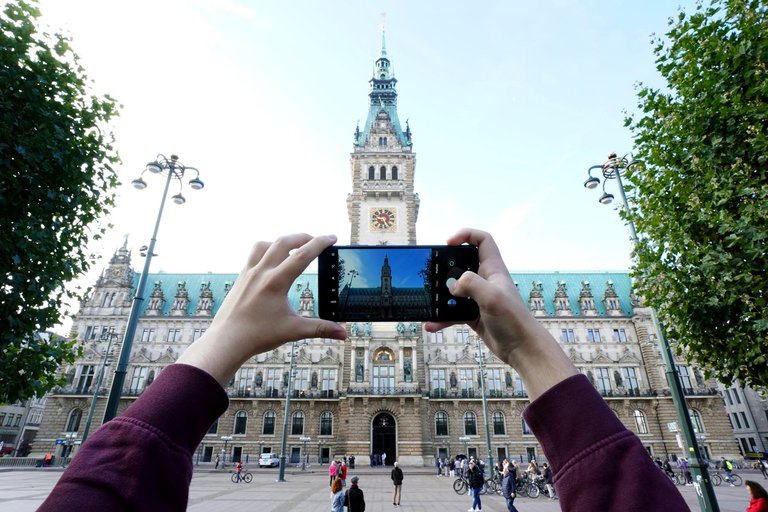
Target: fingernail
[[451, 284]]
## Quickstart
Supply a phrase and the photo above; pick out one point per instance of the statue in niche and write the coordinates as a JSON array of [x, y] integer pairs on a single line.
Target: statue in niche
[[314, 379], [699, 378], [407, 370], [285, 379], [359, 371], [453, 380], [354, 329], [413, 327], [617, 378], [259, 379], [367, 328], [400, 328], [508, 379]]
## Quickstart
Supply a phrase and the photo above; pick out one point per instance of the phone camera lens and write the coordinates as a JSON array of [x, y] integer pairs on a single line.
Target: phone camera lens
[[451, 263]]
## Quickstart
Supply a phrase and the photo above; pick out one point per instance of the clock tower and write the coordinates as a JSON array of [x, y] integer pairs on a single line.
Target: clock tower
[[382, 206]]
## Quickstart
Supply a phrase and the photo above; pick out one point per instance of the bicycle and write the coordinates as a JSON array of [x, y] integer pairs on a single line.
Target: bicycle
[[717, 478], [460, 485], [244, 476]]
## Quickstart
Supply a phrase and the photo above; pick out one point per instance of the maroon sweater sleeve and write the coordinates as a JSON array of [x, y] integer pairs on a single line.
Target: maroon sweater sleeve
[[142, 460], [598, 463]]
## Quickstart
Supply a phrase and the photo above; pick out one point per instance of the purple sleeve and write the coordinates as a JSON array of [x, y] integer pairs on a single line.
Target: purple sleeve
[[598, 464], [142, 460]]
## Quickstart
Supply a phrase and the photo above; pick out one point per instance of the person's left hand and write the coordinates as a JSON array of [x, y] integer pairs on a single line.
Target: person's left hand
[[256, 315]]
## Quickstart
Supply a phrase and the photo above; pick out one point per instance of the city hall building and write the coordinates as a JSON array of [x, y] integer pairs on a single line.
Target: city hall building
[[391, 387]]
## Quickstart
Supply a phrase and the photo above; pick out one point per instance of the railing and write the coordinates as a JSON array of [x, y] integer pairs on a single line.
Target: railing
[[469, 393], [281, 393], [20, 462], [396, 390]]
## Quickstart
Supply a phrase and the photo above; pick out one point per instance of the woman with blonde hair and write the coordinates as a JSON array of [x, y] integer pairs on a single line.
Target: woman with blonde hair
[[337, 496]]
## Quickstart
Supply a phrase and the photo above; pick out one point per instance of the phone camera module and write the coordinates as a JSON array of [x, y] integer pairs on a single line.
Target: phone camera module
[[451, 263]]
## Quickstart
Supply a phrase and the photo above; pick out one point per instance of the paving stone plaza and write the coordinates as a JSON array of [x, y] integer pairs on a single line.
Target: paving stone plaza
[[24, 491]]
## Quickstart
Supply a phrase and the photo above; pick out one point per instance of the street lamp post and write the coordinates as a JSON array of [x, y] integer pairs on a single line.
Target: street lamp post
[[304, 455], [226, 440], [481, 362], [70, 440], [284, 445], [613, 169], [104, 358], [174, 170]]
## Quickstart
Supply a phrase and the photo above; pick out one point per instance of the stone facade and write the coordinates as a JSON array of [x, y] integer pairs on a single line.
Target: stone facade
[[390, 388]]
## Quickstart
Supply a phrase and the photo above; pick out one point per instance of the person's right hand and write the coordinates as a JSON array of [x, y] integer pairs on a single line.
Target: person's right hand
[[505, 324]]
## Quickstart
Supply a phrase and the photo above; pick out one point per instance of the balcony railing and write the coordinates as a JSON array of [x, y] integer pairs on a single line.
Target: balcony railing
[[396, 390], [473, 393]]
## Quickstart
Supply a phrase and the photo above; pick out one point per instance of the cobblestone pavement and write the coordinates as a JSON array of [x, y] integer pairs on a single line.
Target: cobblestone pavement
[[23, 491]]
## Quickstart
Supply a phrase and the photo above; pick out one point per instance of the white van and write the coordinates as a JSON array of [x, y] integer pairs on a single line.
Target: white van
[[269, 460]]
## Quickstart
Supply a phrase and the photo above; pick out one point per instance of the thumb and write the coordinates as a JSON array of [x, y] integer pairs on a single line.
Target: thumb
[[317, 328], [469, 285]]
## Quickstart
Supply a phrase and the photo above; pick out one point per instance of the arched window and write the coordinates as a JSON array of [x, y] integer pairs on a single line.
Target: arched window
[[73, 422], [441, 424], [371, 173], [526, 429], [382, 173], [470, 424], [268, 428], [640, 423], [297, 424], [326, 424], [698, 425], [394, 172], [499, 428], [241, 421]]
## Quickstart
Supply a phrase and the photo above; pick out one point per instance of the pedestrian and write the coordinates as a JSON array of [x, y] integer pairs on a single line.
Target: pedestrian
[[354, 500], [337, 496], [533, 469], [476, 481], [351, 462], [332, 472], [758, 497], [343, 473], [437, 466], [238, 470], [216, 462], [764, 468], [384, 458], [397, 481], [508, 487], [547, 474], [457, 465]]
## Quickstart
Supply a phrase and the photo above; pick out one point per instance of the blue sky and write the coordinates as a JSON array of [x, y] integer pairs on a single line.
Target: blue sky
[[509, 102], [405, 266]]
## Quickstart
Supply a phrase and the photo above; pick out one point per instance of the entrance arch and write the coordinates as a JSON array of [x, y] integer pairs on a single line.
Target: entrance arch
[[384, 436]]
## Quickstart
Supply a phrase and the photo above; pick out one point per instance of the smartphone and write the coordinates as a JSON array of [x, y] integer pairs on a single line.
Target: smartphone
[[394, 283]]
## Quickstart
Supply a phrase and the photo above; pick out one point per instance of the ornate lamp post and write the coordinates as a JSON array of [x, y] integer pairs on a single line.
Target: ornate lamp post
[[226, 440], [284, 444], [111, 336], [173, 169], [465, 440], [613, 169], [70, 438], [304, 455], [481, 361]]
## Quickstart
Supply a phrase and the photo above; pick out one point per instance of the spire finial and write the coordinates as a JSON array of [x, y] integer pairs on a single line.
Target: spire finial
[[383, 40], [125, 241]]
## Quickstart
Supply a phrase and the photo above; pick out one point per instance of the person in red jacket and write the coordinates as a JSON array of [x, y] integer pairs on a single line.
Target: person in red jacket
[[758, 495]]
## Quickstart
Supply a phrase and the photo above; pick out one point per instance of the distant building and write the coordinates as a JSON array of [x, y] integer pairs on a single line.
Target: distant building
[[390, 388], [747, 411]]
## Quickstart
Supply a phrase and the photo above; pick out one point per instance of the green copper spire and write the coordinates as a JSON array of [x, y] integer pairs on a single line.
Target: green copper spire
[[383, 43]]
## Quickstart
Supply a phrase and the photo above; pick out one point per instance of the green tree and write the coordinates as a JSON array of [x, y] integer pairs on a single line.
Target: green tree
[[701, 197], [56, 182]]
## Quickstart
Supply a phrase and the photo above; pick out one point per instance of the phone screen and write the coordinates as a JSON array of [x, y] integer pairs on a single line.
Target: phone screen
[[394, 283]]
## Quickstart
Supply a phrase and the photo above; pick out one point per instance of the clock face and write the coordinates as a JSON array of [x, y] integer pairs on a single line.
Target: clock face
[[383, 219]]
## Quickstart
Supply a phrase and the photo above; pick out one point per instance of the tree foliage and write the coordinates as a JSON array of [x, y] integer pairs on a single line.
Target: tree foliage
[[701, 207], [56, 182]]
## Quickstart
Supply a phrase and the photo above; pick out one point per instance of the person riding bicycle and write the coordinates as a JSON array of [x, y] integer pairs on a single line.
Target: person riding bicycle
[[727, 467], [239, 469], [667, 467]]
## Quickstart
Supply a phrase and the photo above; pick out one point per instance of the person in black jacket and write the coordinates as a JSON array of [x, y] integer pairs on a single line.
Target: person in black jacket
[[355, 500], [547, 474], [476, 481], [397, 480], [508, 488]]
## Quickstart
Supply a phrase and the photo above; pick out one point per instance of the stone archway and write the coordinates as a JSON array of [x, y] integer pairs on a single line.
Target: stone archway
[[384, 436]]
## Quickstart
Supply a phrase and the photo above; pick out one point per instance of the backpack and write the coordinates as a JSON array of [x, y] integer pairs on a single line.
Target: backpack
[[728, 465]]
